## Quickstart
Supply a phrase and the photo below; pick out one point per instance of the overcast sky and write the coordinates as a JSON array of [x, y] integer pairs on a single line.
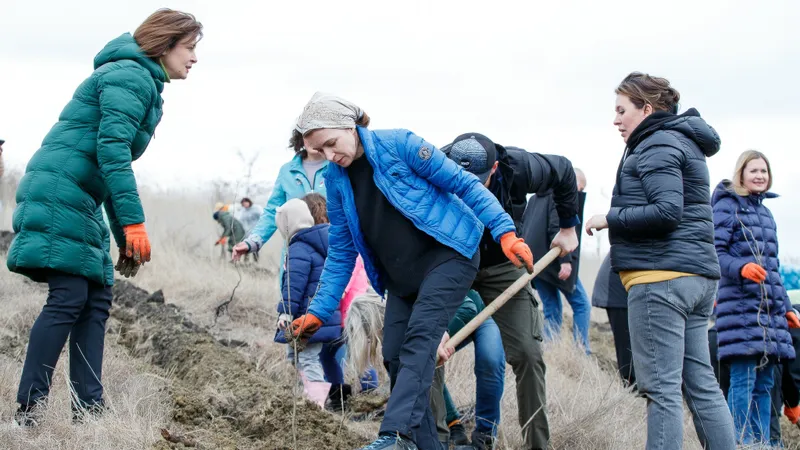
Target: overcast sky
[[539, 75]]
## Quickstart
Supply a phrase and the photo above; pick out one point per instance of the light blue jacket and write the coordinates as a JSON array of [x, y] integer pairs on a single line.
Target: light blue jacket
[[292, 182], [433, 192]]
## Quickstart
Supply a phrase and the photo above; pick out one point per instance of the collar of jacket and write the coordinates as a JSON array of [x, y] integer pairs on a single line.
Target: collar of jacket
[[296, 165], [164, 68], [500, 185]]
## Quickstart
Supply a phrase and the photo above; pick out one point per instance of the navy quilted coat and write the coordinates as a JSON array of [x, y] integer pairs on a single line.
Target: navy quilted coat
[[750, 322], [305, 259], [84, 163]]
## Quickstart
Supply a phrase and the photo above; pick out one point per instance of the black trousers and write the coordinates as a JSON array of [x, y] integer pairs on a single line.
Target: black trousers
[[78, 308], [618, 319], [413, 328]]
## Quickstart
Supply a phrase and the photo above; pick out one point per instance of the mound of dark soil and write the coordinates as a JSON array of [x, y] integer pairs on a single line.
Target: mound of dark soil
[[217, 394]]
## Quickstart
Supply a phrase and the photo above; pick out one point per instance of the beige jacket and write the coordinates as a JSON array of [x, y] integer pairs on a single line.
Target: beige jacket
[[292, 217]]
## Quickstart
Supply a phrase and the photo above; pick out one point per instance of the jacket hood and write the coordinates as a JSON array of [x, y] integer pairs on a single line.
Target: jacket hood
[[725, 189], [292, 217], [316, 237], [690, 124], [125, 47]]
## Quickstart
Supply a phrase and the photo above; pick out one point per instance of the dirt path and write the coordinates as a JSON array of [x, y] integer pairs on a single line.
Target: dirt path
[[218, 397]]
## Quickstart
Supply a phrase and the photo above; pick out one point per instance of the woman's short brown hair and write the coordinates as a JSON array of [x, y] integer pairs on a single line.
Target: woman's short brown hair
[[318, 207], [644, 89], [165, 29]]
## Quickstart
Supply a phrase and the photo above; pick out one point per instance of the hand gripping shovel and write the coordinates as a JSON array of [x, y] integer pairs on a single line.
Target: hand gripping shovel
[[490, 309]]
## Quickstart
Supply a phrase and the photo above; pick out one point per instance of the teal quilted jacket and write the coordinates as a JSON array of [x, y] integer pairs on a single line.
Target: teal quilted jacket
[[84, 163]]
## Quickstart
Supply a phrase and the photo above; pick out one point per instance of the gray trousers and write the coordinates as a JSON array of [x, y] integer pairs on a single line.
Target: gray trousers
[[669, 337]]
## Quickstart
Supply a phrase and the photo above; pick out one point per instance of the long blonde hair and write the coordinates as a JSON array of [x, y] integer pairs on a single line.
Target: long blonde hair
[[363, 331], [741, 164]]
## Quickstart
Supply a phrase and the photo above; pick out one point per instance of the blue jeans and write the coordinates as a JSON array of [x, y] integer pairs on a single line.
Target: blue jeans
[[669, 336], [553, 312], [490, 370], [749, 400], [369, 380]]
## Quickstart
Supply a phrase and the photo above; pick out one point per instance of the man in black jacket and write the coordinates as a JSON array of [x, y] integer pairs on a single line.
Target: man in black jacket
[[540, 225], [511, 174]]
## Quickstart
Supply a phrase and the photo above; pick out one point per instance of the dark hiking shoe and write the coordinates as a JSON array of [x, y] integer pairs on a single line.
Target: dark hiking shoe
[[482, 441], [458, 435], [27, 416], [391, 443], [338, 397], [81, 414]]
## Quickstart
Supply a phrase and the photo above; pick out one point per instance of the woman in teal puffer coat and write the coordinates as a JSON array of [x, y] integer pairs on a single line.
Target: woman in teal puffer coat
[[83, 165]]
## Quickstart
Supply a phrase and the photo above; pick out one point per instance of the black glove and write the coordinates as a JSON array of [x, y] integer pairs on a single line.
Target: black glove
[[127, 267]]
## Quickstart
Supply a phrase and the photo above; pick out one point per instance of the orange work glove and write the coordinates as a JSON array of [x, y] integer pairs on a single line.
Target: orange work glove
[[305, 325], [793, 414], [754, 273], [791, 317], [221, 240], [517, 251], [137, 244]]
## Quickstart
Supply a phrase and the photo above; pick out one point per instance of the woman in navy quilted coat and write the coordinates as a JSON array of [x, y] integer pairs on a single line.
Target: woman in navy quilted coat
[[753, 309]]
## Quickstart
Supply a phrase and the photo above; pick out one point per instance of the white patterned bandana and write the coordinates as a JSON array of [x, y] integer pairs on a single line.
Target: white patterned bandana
[[327, 111]]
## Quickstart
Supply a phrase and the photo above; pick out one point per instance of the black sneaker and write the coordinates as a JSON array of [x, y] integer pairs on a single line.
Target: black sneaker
[[338, 397], [82, 413], [458, 434], [482, 441], [27, 416]]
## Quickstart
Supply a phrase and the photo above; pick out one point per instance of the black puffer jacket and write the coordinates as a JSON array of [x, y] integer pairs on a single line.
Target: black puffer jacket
[[521, 173], [660, 217], [540, 225]]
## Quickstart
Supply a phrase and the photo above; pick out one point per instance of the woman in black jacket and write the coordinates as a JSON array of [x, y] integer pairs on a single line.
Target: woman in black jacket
[[662, 244]]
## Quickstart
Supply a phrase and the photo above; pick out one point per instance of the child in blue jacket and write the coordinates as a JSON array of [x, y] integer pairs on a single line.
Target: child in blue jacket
[[305, 257]]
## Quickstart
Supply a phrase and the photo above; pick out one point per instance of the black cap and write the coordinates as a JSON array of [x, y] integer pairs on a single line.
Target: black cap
[[474, 152]]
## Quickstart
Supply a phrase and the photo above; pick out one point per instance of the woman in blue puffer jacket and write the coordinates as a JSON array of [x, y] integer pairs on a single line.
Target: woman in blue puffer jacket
[[416, 218], [753, 309]]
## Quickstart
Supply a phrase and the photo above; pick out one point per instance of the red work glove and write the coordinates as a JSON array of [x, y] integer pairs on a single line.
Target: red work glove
[[305, 325], [221, 240], [517, 251], [754, 273], [137, 244], [791, 317], [793, 414]]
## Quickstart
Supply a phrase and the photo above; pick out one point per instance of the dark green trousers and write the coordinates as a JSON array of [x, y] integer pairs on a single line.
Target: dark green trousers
[[520, 323]]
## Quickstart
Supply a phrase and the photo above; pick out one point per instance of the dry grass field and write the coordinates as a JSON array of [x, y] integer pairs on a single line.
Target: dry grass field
[[223, 383]]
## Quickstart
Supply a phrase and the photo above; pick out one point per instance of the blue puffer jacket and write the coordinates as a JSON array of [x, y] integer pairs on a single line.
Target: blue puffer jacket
[[292, 182], [744, 227], [432, 191], [306, 257]]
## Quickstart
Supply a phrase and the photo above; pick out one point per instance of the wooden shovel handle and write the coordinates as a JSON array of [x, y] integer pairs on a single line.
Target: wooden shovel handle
[[490, 309]]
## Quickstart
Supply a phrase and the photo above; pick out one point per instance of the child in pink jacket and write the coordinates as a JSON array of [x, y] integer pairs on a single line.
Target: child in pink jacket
[[357, 286]]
